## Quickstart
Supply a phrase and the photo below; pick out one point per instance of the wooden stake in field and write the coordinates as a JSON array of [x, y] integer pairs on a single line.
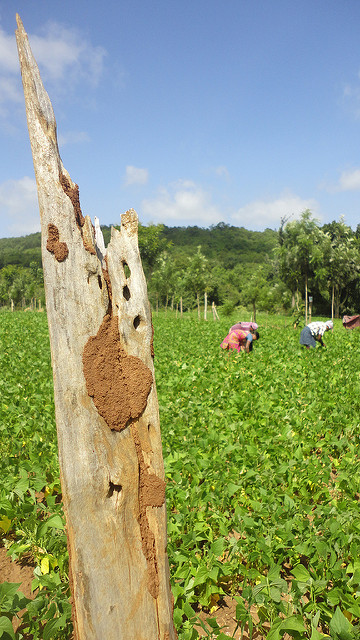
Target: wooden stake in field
[[215, 313], [107, 417]]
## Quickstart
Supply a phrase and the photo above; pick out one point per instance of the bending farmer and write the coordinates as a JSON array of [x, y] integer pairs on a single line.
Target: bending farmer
[[240, 340], [313, 333]]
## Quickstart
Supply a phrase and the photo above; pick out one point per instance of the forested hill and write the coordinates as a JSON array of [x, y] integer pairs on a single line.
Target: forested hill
[[21, 251], [222, 243], [229, 245], [232, 265]]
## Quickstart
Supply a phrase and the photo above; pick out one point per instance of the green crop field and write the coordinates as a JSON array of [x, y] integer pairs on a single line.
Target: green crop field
[[262, 463]]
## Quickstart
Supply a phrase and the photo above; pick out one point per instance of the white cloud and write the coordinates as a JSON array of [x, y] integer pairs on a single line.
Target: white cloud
[[9, 61], [10, 83], [183, 203], [65, 58], [19, 207], [9, 90], [261, 214], [65, 54], [135, 175], [349, 180], [72, 137]]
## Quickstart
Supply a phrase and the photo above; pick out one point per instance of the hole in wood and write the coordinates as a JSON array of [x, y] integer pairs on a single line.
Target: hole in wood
[[136, 322], [114, 488], [126, 292], [100, 282], [126, 270]]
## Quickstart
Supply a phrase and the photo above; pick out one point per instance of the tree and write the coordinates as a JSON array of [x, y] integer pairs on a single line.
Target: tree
[[300, 251], [107, 413], [151, 245], [14, 283], [255, 290], [197, 275], [163, 279], [224, 286], [341, 263]]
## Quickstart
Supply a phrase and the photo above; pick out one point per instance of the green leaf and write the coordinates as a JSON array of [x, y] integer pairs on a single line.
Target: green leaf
[[217, 547], [55, 522], [17, 549], [300, 573], [53, 625], [201, 576], [6, 628], [5, 524], [188, 610], [275, 633], [316, 635], [9, 588], [340, 625], [294, 623], [333, 597], [275, 594], [232, 488]]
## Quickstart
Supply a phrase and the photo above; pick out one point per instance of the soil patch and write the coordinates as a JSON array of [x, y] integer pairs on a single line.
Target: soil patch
[[17, 571]]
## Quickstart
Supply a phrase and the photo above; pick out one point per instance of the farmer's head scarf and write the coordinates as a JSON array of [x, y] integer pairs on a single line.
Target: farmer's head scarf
[[329, 324]]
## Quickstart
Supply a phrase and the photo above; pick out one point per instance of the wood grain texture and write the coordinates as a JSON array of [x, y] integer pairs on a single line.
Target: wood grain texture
[[112, 480]]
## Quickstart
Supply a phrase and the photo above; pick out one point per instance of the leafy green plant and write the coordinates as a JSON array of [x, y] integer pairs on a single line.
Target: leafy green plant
[[262, 464]]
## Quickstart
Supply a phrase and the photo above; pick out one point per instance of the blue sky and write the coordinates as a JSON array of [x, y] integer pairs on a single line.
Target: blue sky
[[191, 112]]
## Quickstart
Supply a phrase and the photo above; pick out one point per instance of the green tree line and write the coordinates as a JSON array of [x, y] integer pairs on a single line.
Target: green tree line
[[268, 270]]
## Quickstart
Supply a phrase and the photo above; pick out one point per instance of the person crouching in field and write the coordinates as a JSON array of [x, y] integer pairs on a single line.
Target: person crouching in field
[[240, 340], [313, 333]]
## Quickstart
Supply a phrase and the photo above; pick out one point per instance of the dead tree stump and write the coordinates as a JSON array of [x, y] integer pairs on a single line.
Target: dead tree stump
[[107, 417]]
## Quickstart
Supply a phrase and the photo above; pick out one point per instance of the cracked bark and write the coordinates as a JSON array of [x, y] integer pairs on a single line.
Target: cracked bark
[[110, 453]]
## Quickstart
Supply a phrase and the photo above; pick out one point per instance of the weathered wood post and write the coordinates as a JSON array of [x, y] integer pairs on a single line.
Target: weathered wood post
[[215, 313], [107, 417]]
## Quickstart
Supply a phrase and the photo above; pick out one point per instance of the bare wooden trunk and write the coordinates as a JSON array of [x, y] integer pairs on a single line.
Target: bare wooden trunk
[[215, 313], [107, 418], [336, 301]]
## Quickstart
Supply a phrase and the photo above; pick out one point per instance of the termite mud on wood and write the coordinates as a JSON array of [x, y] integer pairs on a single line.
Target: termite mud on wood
[[59, 249], [119, 384]]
